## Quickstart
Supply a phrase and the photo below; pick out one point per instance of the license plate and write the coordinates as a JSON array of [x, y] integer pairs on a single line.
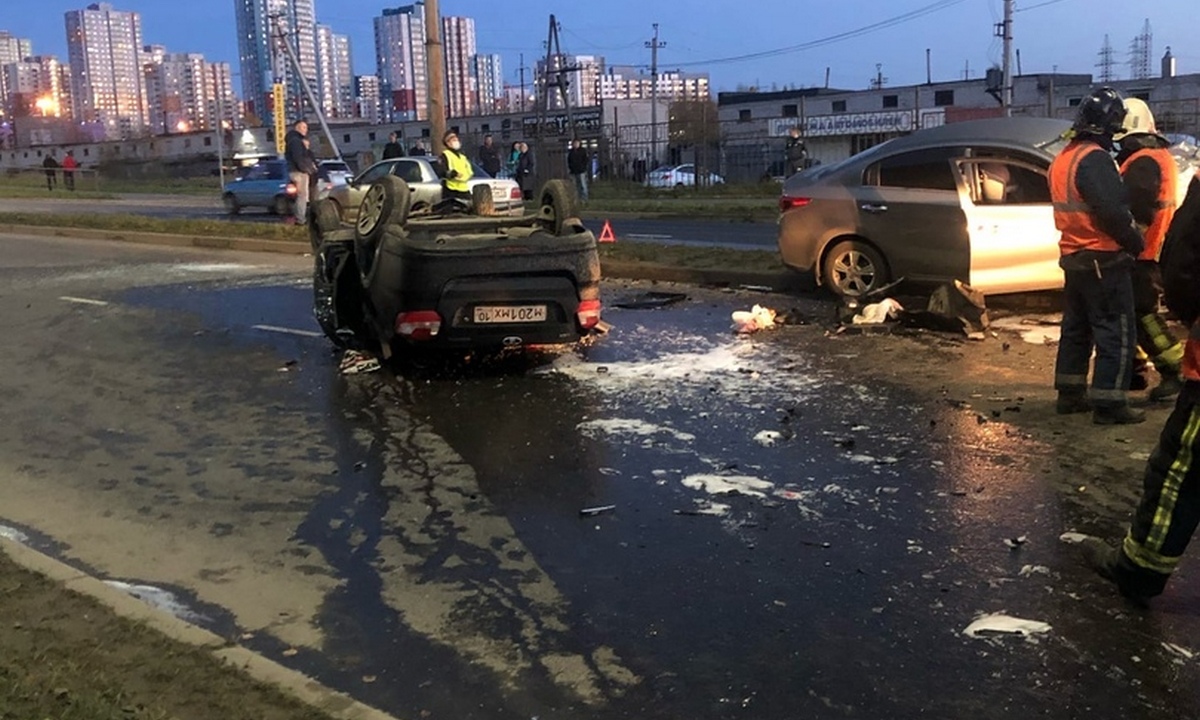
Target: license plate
[[492, 314]]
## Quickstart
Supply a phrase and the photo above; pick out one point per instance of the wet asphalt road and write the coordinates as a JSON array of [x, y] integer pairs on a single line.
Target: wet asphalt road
[[418, 540]]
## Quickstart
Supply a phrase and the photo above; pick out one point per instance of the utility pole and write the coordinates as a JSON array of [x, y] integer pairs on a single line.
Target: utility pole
[[522, 68], [1005, 30], [435, 60], [308, 92], [654, 46]]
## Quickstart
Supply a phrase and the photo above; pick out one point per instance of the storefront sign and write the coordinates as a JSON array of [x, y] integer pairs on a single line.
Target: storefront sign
[[895, 121], [587, 122]]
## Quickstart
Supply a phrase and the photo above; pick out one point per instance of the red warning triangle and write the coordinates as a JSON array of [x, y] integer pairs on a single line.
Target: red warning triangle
[[606, 235]]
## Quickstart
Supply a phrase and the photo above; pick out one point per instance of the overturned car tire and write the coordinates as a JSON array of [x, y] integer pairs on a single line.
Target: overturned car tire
[[324, 218], [386, 204], [557, 202], [482, 202]]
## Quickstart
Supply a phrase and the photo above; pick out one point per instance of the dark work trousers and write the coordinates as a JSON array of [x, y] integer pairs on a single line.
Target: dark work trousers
[[1154, 337], [1169, 510], [1098, 315]]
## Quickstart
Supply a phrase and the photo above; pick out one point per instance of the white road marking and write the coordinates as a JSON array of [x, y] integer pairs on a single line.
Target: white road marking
[[82, 301], [648, 236], [288, 331]]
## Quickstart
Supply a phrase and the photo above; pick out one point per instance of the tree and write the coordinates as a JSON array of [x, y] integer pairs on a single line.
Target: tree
[[694, 122]]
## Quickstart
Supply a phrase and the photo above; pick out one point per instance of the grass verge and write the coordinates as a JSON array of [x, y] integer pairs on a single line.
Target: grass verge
[[140, 223], [67, 657], [692, 257]]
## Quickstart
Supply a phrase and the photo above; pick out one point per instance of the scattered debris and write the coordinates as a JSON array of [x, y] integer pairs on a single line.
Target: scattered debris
[[597, 510], [768, 438], [877, 313], [1073, 538], [287, 366], [357, 363], [650, 300], [1016, 542], [1179, 651], [757, 288], [1000, 623], [291, 652], [757, 318], [1030, 570]]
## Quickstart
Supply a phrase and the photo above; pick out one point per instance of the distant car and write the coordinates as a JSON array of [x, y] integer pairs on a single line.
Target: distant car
[[966, 201], [424, 185], [337, 171], [681, 176], [264, 185]]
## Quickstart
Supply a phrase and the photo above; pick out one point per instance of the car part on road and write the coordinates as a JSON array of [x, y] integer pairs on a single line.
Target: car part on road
[[649, 300], [854, 268]]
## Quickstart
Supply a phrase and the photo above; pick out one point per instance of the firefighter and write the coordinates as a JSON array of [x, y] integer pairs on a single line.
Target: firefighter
[[1098, 245], [1151, 180], [1169, 509]]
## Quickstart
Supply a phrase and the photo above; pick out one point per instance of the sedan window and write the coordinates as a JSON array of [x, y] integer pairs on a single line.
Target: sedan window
[[995, 182], [373, 173], [923, 170], [409, 171]]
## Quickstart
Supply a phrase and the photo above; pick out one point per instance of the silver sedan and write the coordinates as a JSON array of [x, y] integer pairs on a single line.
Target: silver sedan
[[424, 184]]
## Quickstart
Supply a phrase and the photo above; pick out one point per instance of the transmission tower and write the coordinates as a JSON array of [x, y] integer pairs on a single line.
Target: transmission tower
[[1107, 63], [1139, 54]]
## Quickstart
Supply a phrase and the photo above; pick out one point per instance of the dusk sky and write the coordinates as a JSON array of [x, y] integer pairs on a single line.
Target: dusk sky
[[1063, 33]]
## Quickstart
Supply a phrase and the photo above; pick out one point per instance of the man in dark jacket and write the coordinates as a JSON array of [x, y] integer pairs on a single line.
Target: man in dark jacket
[[301, 168], [393, 149], [1152, 180], [797, 153], [577, 164], [51, 166], [489, 156], [1098, 245], [525, 171]]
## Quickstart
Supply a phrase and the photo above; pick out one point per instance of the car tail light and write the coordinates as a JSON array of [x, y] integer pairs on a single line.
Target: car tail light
[[515, 194], [791, 203], [291, 189], [419, 324], [588, 313]]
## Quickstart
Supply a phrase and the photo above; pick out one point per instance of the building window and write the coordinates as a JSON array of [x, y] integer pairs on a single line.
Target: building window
[[39, 153], [207, 142], [942, 98], [371, 137], [187, 143], [891, 101], [346, 138], [744, 116], [1074, 102], [87, 152], [1143, 95], [487, 127], [839, 106], [791, 111]]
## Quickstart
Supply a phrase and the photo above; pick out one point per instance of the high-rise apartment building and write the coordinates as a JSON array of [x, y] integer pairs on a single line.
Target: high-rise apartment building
[[489, 83], [336, 75], [12, 50], [263, 61], [366, 100], [628, 84], [458, 43], [224, 106], [35, 87], [400, 58], [178, 92], [104, 46]]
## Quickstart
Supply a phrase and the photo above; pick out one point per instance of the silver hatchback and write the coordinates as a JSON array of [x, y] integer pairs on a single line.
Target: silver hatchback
[[425, 186]]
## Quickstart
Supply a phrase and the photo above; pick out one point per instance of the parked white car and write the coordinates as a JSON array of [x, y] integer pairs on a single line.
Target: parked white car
[[681, 176]]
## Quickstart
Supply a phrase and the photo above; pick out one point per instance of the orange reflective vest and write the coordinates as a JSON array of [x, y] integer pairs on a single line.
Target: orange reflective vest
[[1191, 354], [1167, 191], [1071, 214]]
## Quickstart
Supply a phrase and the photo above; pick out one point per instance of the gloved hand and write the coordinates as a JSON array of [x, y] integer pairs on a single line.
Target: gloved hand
[[453, 174]]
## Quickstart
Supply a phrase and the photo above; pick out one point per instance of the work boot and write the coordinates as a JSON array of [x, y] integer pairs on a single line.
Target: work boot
[[1117, 415], [1138, 382], [1104, 560], [1070, 403], [1170, 386]]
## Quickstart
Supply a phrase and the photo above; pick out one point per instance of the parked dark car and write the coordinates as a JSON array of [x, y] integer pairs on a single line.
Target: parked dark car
[[264, 185], [402, 286], [967, 201]]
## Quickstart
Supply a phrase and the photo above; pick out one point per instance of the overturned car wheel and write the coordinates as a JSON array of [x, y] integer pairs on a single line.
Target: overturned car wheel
[[557, 203], [387, 203], [324, 219], [482, 202]]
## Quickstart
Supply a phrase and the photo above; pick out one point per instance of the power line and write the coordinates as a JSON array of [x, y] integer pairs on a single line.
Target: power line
[[829, 40], [1039, 5]]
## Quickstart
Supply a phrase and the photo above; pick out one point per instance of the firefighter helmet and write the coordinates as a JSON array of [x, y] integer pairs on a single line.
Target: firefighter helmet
[[1100, 113], [1138, 119]]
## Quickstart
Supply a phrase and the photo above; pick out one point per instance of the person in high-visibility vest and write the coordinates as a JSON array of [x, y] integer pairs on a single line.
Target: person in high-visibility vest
[[1098, 245], [454, 168], [1152, 180], [1169, 509]]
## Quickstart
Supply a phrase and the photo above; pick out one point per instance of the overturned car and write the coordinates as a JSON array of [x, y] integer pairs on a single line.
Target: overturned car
[[458, 279]]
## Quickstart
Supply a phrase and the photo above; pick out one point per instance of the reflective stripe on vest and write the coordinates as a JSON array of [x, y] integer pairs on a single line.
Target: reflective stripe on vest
[[1071, 214], [1191, 354], [1165, 204], [458, 163]]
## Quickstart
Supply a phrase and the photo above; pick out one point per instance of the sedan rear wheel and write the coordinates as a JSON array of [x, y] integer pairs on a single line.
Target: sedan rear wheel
[[854, 268]]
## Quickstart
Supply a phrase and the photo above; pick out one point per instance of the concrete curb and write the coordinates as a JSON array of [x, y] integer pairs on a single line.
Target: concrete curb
[[300, 686]]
